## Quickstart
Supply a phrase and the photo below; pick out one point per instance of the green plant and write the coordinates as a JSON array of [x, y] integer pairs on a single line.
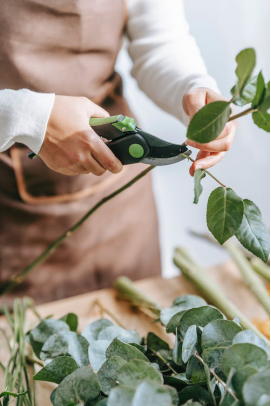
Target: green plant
[[213, 361], [227, 213]]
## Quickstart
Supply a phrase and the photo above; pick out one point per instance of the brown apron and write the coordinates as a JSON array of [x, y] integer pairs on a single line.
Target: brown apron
[[69, 47]]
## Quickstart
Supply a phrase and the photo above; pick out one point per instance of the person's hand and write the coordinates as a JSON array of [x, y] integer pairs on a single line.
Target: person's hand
[[71, 146], [212, 152]]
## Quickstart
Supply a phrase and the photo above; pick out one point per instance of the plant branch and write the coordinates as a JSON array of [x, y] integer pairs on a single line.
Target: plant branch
[[243, 113], [107, 311], [158, 355], [52, 247], [260, 268], [209, 173], [225, 386]]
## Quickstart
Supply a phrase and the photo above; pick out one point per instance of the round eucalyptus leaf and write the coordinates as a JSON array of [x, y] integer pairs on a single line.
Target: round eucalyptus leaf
[[133, 373], [43, 331], [240, 355], [213, 356], [177, 381], [209, 122], [156, 343], [248, 336], [72, 320], [225, 211], [189, 343], [151, 394], [219, 333], [108, 372], [256, 386], [70, 343], [199, 316], [186, 302], [125, 351], [79, 387], [196, 393], [177, 350], [56, 370], [174, 322], [195, 372], [92, 331], [121, 396], [240, 377], [97, 353], [127, 336], [264, 400]]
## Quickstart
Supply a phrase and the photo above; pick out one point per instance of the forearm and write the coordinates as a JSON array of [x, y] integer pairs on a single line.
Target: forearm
[[23, 118], [166, 60]]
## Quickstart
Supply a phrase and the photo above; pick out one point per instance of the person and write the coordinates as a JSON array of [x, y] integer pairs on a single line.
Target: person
[[57, 71]]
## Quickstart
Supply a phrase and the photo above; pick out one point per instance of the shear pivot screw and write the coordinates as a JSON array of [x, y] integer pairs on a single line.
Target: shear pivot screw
[[123, 129]]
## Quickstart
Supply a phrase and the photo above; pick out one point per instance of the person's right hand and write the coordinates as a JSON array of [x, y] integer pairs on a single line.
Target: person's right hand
[[70, 145]]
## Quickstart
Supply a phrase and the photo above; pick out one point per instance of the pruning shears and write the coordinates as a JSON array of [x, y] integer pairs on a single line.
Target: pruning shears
[[132, 145]]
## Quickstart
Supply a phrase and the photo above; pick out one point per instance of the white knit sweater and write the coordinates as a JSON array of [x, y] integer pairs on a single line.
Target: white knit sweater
[[166, 63]]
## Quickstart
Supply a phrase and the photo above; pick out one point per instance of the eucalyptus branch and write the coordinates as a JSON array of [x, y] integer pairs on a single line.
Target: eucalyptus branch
[[108, 312], [52, 247], [158, 355]]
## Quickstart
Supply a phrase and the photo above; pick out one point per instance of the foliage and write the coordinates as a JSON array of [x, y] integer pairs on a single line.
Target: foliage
[[213, 362], [227, 213]]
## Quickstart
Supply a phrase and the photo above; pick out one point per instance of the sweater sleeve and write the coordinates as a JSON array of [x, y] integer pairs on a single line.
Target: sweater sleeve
[[166, 59], [23, 118]]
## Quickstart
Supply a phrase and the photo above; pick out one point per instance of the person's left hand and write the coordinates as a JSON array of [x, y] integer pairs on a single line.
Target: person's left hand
[[212, 152]]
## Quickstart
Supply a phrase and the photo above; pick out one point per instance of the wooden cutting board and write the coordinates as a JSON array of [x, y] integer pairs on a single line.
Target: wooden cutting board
[[162, 291]]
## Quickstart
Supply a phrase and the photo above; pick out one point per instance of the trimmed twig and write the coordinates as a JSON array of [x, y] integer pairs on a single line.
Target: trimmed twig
[[128, 291], [206, 286], [52, 247], [250, 278], [261, 268], [158, 355], [107, 311], [243, 113]]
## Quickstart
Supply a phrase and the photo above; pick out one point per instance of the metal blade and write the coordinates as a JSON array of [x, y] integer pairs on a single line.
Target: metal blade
[[165, 161]]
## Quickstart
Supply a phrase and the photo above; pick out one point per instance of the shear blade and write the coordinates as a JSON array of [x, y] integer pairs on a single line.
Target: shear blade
[[166, 161]]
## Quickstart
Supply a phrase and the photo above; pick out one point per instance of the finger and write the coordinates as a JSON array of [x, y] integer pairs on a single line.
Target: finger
[[102, 153], [222, 143], [92, 166], [207, 163], [193, 102]]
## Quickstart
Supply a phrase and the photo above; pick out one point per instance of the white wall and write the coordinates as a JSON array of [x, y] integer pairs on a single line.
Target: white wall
[[222, 28]]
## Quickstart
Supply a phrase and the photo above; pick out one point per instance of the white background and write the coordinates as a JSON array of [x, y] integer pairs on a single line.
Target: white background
[[222, 28]]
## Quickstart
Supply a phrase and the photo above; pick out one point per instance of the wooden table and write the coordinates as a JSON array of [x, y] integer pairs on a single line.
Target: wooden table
[[161, 290]]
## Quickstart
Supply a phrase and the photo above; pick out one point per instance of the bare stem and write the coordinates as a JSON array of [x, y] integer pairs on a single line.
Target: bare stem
[[158, 355], [209, 173], [243, 113], [52, 247], [107, 311]]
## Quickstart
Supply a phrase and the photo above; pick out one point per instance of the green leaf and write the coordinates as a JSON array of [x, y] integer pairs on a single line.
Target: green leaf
[[195, 392], [125, 351], [189, 343], [265, 104], [209, 122], [248, 93], [198, 176], [181, 303], [262, 120], [92, 331], [260, 90], [133, 373], [127, 336], [72, 320], [156, 343], [195, 371], [108, 372], [199, 316], [56, 370], [213, 356], [121, 396], [177, 381], [43, 331], [177, 350], [246, 61], [173, 394], [80, 386], [240, 355], [240, 377], [253, 233], [210, 384], [66, 344], [248, 336], [219, 333], [256, 386], [174, 322], [225, 211], [151, 394], [97, 353]]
